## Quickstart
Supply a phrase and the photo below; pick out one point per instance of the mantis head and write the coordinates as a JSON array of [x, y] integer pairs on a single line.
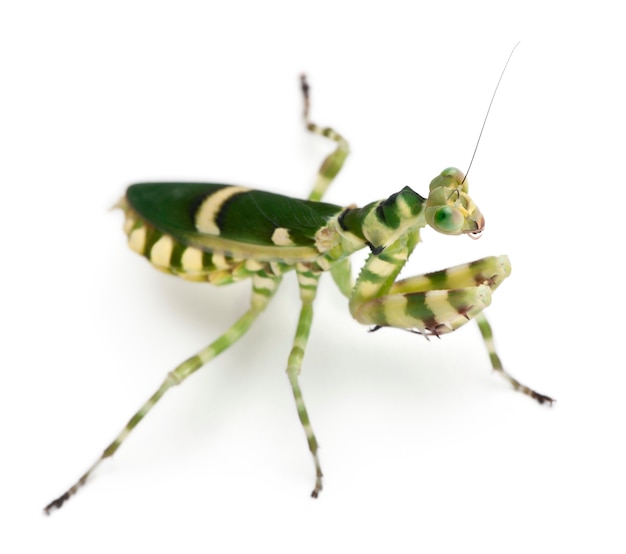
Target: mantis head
[[449, 208]]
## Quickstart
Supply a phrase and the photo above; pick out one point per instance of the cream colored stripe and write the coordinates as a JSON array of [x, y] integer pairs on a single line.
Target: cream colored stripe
[[403, 208], [252, 265], [323, 264], [380, 267], [210, 208], [263, 283], [367, 289], [191, 259], [137, 240], [305, 281], [280, 237], [437, 302], [161, 251], [129, 223], [219, 261], [276, 269], [396, 315]]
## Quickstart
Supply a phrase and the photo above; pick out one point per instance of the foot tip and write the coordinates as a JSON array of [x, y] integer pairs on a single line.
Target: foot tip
[[56, 504], [543, 399]]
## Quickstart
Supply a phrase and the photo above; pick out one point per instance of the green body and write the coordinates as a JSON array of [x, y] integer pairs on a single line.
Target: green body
[[195, 230], [222, 234]]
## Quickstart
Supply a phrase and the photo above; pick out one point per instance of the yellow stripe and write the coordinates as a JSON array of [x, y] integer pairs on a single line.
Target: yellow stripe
[[137, 240], [305, 280], [253, 265], [280, 237], [219, 261], [161, 251], [210, 208], [323, 263], [403, 208], [191, 259], [396, 315], [380, 267], [263, 283], [367, 289], [275, 267], [437, 302], [129, 223]]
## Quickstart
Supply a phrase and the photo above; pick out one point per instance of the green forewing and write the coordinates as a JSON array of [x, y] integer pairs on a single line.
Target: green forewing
[[249, 217]]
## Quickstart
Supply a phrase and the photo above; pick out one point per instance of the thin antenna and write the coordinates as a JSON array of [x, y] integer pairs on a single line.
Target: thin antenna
[[488, 110]]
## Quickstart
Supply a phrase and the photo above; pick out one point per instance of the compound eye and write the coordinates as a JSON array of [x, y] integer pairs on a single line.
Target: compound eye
[[448, 220]]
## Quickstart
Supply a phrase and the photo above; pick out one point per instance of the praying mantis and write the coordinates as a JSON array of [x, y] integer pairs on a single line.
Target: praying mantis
[[222, 234]]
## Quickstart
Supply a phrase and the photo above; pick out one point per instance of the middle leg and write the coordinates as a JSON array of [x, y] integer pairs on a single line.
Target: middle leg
[[308, 282]]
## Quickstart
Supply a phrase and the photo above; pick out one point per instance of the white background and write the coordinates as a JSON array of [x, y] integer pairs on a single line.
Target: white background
[[423, 449]]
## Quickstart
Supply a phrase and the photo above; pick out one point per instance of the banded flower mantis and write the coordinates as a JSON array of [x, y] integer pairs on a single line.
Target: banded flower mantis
[[222, 234]]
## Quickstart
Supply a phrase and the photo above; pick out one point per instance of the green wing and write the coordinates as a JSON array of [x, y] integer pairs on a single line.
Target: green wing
[[213, 216]]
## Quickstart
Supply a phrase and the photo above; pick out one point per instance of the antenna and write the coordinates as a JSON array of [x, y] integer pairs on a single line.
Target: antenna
[[488, 110]]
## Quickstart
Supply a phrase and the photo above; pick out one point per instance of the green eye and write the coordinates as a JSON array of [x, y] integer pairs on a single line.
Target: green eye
[[448, 220]]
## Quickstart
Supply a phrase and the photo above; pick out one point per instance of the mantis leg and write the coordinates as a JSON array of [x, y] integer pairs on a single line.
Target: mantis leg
[[487, 334], [263, 288], [341, 272], [487, 270], [434, 303], [308, 287], [431, 304], [335, 160]]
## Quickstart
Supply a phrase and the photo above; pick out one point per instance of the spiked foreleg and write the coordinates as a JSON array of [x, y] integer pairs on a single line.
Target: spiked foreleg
[[431, 304], [308, 287], [490, 271], [263, 288], [434, 312], [487, 334]]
